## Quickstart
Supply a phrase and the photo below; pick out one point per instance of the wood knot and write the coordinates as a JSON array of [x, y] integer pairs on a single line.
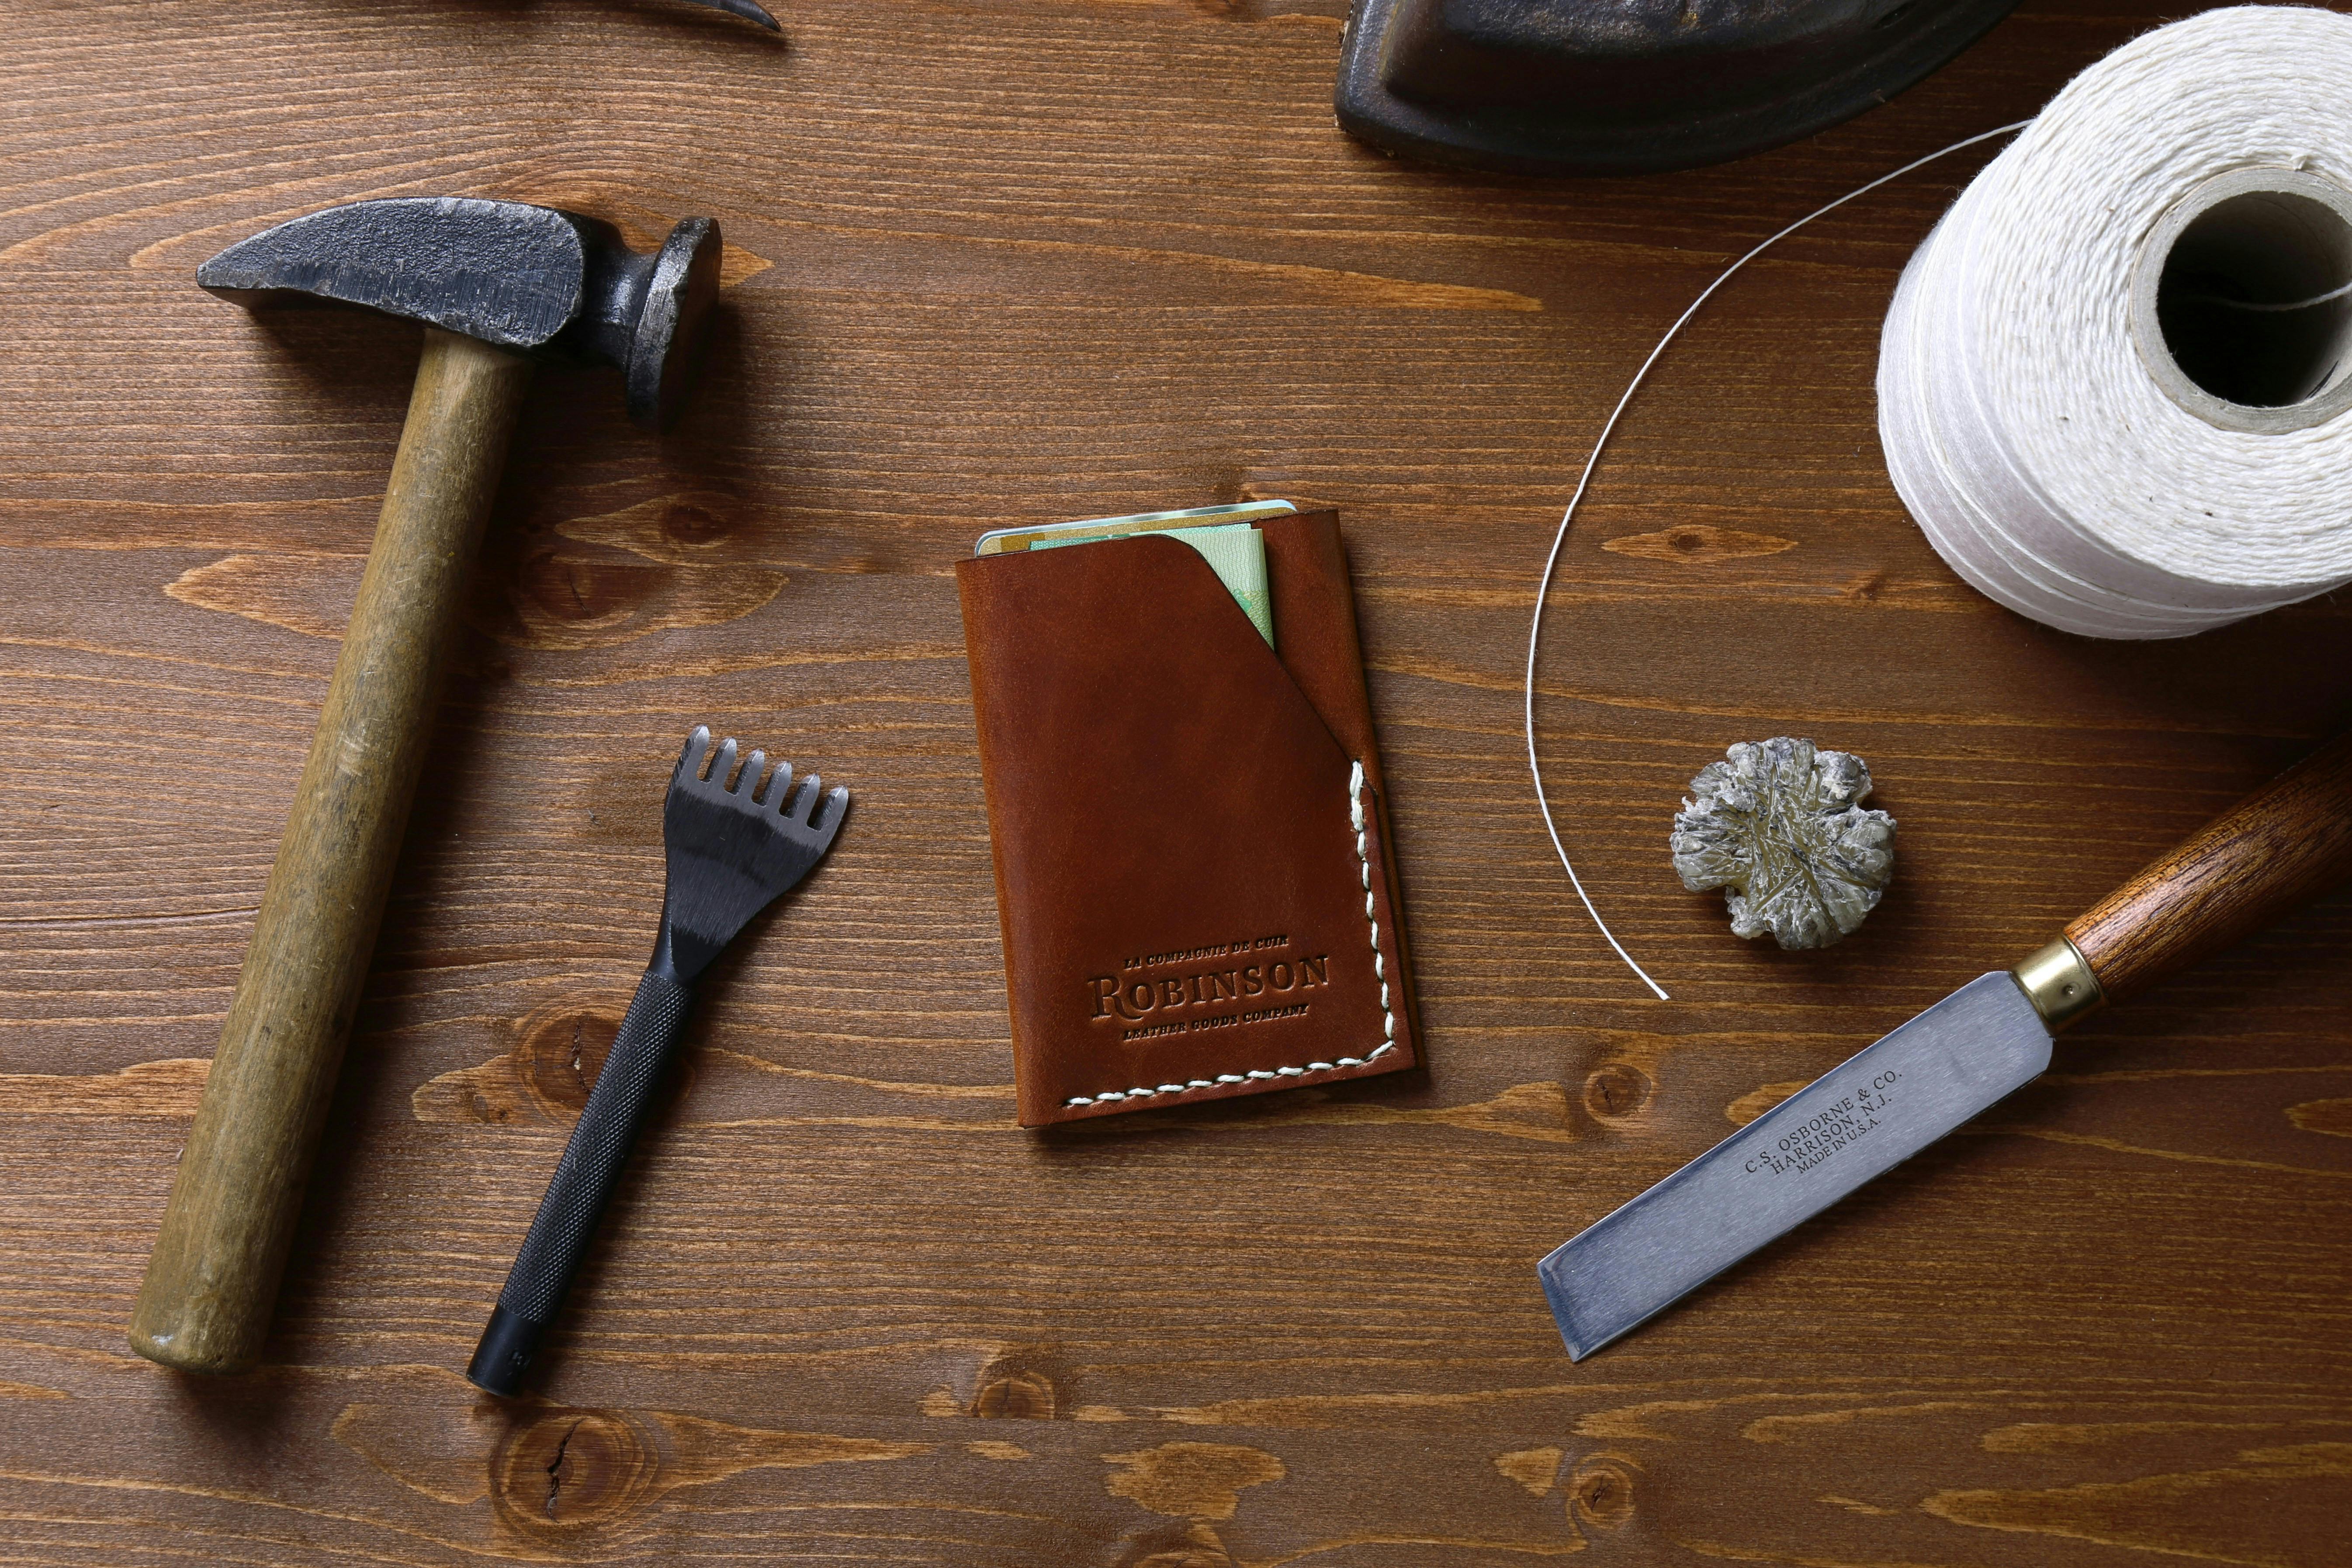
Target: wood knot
[[571, 588], [1194, 1545], [1697, 542], [561, 1053], [570, 1470], [543, 1076], [690, 523], [677, 529], [1023, 1397], [1615, 1091], [1016, 1383], [642, 580], [1601, 1493]]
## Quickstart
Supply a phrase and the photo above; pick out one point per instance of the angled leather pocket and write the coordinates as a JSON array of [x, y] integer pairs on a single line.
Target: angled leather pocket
[[1189, 878]]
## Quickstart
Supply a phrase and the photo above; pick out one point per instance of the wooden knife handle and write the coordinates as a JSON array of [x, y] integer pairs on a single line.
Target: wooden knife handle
[[2285, 844], [212, 1280]]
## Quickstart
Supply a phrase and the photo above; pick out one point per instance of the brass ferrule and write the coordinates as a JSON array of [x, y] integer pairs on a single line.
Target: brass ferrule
[[2059, 984]]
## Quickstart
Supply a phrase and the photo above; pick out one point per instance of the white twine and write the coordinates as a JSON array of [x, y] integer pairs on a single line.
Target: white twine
[[2022, 376]]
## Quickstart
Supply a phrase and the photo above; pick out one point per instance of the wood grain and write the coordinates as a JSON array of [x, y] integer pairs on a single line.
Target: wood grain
[[211, 1281], [1027, 261], [2284, 845]]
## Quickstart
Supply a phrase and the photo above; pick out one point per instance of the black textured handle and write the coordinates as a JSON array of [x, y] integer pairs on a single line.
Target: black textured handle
[[575, 1199]]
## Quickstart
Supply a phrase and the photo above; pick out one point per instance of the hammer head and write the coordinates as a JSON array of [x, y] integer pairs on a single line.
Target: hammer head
[[533, 279]]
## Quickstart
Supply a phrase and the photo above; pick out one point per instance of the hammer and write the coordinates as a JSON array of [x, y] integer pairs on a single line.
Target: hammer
[[496, 285]]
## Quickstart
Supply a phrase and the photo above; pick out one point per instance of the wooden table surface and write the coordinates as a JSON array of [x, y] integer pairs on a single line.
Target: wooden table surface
[[1018, 262]]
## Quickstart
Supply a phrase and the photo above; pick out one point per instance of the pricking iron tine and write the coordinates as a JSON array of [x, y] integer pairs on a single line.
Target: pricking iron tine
[[690, 760], [748, 786], [804, 804], [834, 804], [780, 789]]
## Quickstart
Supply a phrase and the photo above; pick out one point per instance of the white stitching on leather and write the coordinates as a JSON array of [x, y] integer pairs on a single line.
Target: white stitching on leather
[[1372, 919], [1380, 973]]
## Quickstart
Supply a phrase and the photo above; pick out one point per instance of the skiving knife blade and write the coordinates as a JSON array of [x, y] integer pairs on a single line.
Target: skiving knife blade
[[2286, 843], [1857, 1120]]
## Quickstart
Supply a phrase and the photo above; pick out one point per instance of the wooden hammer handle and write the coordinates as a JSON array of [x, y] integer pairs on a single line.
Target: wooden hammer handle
[[2285, 844], [212, 1279]]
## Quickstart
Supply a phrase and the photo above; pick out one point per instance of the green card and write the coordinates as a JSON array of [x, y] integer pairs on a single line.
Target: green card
[[1226, 536]]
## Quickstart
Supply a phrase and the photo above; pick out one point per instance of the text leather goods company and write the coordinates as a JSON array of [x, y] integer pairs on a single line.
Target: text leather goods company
[[1256, 983]]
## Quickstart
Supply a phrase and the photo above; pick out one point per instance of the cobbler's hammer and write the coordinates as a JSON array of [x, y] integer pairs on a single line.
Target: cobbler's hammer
[[497, 284]]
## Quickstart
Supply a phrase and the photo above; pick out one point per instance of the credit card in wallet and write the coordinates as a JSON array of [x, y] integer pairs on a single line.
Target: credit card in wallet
[[1224, 536]]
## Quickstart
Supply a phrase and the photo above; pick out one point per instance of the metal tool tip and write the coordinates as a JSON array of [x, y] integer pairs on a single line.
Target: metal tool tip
[[748, 12]]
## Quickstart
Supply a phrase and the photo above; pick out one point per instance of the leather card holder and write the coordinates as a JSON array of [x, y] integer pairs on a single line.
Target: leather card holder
[[1194, 873]]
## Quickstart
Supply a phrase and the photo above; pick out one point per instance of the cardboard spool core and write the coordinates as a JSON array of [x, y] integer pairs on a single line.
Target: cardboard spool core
[[2249, 237]]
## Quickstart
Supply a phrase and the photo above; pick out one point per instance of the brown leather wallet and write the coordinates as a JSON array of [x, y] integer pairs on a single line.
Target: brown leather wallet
[[1194, 870]]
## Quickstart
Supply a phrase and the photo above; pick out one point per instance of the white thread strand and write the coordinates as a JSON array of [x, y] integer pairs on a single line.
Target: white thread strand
[[1584, 482], [1267, 1075], [2290, 305]]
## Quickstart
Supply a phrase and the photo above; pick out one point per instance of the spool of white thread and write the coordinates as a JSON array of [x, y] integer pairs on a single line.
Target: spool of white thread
[[2081, 398]]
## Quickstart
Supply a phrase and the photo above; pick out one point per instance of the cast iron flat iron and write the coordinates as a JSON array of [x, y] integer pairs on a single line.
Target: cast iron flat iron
[[1630, 87]]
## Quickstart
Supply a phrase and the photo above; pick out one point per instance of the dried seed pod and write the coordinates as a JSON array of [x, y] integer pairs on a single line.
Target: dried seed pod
[[1780, 827]]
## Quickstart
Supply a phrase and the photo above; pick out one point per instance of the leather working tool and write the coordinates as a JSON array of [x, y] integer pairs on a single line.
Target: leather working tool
[[495, 284], [2289, 842], [1600, 87], [748, 10], [732, 851]]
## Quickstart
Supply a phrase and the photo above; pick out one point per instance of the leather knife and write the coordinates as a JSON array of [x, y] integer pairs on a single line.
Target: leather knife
[[2286, 843]]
